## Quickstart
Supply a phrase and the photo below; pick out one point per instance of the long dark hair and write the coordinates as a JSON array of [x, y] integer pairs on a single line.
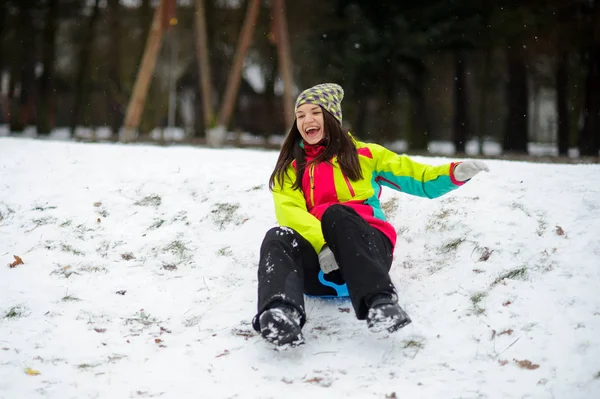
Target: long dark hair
[[337, 142]]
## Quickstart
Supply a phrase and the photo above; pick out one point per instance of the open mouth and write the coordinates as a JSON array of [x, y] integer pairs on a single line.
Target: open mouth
[[312, 131]]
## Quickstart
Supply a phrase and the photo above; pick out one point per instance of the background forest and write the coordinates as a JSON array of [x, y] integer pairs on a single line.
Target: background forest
[[510, 72]]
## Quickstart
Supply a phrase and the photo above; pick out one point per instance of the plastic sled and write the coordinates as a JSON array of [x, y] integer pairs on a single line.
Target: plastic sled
[[340, 289]]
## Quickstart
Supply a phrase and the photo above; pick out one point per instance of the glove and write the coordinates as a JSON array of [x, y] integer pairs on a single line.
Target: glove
[[327, 260], [467, 169]]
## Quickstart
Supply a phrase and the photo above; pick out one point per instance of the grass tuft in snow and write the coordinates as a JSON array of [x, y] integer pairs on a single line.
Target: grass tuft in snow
[[411, 343], [169, 266], [390, 207], [43, 208], [43, 221], [150, 200], [14, 312], [181, 217], [224, 214], [70, 298], [178, 248], [439, 221], [451, 246], [515, 274], [5, 211], [476, 300], [141, 318], [69, 248], [597, 376], [225, 251], [93, 269], [87, 366], [64, 271], [157, 223]]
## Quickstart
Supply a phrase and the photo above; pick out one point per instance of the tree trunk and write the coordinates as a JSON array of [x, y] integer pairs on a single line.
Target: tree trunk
[[271, 104], [562, 104], [84, 59], [203, 60], [284, 58], [516, 134], [23, 69], [4, 104], [145, 22], [114, 95], [590, 137], [3, 28], [142, 82], [235, 75], [483, 98], [46, 95], [418, 126], [460, 125]]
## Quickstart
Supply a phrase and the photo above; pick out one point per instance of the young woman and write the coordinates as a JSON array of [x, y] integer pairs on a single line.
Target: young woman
[[326, 187]]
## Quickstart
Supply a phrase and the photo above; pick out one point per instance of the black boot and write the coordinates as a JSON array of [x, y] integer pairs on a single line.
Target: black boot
[[280, 325], [385, 313]]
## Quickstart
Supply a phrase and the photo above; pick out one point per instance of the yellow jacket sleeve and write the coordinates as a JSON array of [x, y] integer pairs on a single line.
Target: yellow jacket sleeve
[[291, 211], [403, 174]]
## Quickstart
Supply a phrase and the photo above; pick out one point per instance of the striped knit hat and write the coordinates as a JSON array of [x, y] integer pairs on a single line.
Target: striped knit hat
[[327, 95]]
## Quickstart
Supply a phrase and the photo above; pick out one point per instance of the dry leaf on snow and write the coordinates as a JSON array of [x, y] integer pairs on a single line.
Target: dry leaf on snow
[[30, 371], [526, 364], [18, 261]]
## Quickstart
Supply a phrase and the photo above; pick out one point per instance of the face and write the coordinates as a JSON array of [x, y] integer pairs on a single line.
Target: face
[[309, 121]]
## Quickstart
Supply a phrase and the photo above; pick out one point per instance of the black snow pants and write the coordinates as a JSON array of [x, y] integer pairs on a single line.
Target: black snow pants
[[289, 265]]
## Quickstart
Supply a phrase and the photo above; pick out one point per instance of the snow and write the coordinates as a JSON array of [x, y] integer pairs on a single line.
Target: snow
[[139, 280]]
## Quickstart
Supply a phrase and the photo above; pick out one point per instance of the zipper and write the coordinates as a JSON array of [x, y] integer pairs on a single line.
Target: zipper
[[311, 174], [348, 184]]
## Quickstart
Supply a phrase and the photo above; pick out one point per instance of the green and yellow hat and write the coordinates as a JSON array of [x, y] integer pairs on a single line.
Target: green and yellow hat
[[327, 95]]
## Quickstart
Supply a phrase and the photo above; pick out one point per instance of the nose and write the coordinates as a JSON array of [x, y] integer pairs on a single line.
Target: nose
[[309, 117]]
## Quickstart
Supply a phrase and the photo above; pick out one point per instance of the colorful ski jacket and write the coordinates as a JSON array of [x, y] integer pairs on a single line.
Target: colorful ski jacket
[[324, 184]]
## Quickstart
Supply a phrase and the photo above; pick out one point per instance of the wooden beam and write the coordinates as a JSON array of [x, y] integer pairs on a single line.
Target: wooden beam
[[284, 59], [233, 80], [203, 65], [142, 82]]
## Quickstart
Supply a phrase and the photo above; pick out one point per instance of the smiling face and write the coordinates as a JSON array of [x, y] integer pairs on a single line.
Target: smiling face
[[309, 121]]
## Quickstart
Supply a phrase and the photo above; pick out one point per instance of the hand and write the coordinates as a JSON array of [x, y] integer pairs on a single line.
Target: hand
[[467, 169], [327, 260]]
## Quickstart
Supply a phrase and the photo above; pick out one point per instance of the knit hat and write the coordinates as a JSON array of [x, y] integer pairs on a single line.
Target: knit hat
[[327, 95]]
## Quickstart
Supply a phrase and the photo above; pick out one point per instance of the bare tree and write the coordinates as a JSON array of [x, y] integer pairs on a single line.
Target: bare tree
[[85, 48], [46, 96], [114, 92], [460, 125], [516, 133], [203, 64]]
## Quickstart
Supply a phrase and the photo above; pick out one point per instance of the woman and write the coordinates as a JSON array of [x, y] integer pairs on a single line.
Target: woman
[[326, 188]]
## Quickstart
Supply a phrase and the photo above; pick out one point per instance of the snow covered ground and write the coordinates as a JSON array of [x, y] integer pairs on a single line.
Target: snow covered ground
[[139, 280]]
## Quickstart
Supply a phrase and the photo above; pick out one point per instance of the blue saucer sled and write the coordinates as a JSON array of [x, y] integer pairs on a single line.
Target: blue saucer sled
[[340, 289]]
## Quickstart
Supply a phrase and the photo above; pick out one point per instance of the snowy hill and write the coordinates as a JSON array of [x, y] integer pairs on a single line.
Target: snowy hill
[[139, 280]]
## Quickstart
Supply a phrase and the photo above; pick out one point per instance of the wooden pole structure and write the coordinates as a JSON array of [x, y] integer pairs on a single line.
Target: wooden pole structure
[[284, 58], [203, 64], [142, 82], [233, 80]]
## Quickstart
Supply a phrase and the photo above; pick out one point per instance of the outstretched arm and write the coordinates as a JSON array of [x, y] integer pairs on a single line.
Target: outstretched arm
[[403, 174]]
